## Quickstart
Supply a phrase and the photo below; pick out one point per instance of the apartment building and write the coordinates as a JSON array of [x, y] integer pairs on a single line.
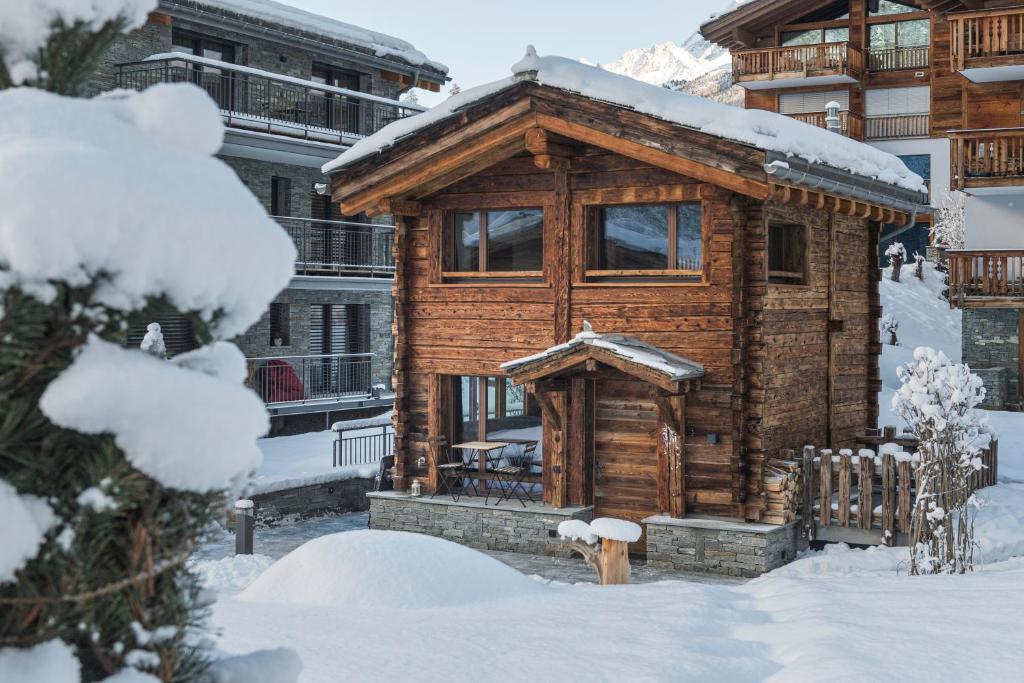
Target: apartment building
[[939, 83], [294, 90]]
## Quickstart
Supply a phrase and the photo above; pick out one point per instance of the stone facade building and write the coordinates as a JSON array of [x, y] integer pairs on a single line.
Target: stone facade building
[[295, 89]]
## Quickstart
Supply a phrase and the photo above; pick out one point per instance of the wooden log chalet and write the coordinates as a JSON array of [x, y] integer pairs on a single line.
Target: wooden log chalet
[[724, 263]]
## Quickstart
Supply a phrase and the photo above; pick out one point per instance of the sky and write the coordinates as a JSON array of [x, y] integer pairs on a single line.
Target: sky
[[480, 39]]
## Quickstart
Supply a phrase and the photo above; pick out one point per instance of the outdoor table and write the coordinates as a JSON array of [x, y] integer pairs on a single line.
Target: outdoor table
[[482, 450]]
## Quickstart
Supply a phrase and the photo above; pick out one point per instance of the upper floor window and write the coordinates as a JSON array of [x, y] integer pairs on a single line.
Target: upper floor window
[[507, 241], [787, 254], [886, 7], [901, 34], [647, 239], [280, 196], [815, 36], [339, 78], [202, 46]]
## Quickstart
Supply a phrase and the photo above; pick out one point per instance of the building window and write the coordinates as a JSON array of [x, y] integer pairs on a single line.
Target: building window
[[787, 254], [492, 408], [815, 36], [902, 34], [280, 196], [648, 239], [280, 325], [202, 46], [339, 329], [886, 7], [509, 241]]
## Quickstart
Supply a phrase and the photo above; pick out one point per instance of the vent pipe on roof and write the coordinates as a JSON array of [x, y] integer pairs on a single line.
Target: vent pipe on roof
[[832, 120]]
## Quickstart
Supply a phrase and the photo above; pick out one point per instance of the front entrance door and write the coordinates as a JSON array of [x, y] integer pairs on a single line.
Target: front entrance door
[[625, 453]]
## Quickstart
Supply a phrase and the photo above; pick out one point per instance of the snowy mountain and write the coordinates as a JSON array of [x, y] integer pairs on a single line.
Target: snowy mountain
[[696, 67]]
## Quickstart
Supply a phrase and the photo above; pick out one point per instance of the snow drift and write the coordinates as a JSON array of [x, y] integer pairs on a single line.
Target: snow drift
[[389, 570]]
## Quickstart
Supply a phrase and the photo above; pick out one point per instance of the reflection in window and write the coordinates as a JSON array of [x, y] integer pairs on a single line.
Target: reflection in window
[[889, 7], [498, 241], [787, 254], [815, 36], [649, 237], [509, 413]]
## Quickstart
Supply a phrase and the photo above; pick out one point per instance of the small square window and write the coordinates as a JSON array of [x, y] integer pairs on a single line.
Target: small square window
[[787, 254], [280, 325]]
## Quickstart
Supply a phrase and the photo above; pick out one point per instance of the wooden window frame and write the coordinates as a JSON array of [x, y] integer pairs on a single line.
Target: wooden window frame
[[805, 275], [587, 204], [447, 251]]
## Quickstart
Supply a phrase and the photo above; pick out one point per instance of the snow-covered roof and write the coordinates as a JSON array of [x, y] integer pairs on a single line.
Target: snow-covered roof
[[733, 6], [269, 11], [675, 368], [761, 129]]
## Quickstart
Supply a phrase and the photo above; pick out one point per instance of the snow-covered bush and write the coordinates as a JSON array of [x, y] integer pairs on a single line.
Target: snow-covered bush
[[918, 266], [888, 326], [950, 220], [114, 462], [937, 398], [897, 255], [153, 342]]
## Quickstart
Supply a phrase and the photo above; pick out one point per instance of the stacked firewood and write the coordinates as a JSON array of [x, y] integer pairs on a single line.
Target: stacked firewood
[[782, 489]]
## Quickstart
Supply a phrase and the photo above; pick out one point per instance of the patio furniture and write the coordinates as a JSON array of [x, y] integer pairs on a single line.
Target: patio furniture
[[449, 472], [511, 477], [485, 454]]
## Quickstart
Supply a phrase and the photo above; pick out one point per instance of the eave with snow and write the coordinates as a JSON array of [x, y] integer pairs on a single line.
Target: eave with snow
[[721, 264]]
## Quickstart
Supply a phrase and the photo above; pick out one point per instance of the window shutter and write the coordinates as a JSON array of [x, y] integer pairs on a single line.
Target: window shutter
[[894, 101], [812, 102]]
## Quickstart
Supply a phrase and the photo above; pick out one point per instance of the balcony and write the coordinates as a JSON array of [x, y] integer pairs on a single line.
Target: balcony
[[850, 125], [987, 161], [341, 248], [314, 379], [988, 45], [898, 126], [899, 59], [257, 100], [986, 278], [797, 66]]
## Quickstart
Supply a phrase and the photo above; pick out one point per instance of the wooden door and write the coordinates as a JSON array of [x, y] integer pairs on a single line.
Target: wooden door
[[625, 453]]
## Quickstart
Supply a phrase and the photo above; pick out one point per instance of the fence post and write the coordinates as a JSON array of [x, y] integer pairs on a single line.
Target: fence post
[[807, 504], [244, 527], [825, 495], [888, 499], [865, 498]]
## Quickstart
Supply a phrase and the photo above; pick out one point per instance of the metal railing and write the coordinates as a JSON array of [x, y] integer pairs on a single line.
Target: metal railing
[[898, 126], [363, 448], [340, 247], [899, 58], [797, 61], [851, 125], [987, 158], [986, 274], [987, 37], [257, 100], [299, 379]]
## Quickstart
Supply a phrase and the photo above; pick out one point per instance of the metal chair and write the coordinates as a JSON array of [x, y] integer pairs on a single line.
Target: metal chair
[[448, 471], [511, 477]]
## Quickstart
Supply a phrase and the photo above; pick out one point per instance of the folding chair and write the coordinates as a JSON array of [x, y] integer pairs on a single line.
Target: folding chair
[[512, 476], [448, 471]]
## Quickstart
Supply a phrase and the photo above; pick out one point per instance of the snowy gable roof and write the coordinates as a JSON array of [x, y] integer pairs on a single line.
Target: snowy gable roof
[[272, 12], [672, 367], [763, 130]]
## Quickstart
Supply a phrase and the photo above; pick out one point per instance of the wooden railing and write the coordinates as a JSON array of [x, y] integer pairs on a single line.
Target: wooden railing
[[867, 497], [987, 38], [898, 126], [798, 61], [851, 125], [899, 58], [985, 274], [987, 158]]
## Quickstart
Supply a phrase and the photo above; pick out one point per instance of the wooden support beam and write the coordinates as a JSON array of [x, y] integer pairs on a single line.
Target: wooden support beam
[[400, 207]]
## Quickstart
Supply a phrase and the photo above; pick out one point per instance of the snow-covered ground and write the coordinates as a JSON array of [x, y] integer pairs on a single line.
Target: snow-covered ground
[[344, 601]]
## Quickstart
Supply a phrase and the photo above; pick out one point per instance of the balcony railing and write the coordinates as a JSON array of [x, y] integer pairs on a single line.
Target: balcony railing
[[270, 103], [797, 62], [898, 126], [985, 276], [341, 247], [988, 38], [899, 58], [304, 379], [987, 158], [851, 125]]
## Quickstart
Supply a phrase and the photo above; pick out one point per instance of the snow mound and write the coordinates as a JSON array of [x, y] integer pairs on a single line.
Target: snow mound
[[186, 428], [49, 662], [281, 665], [616, 529], [150, 155], [26, 519], [387, 570], [231, 574]]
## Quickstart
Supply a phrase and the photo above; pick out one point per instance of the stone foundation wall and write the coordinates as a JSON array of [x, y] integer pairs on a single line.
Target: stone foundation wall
[[995, 387], [719, 547], [991, 340], [345, 495], [533, 531]]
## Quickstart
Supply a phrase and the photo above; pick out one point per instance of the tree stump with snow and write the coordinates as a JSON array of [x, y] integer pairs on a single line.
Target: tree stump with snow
[[897, 254], [610, 558]]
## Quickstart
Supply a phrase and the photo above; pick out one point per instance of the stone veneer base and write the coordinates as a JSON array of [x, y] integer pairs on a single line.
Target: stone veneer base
[[716, 546], [342, 495]]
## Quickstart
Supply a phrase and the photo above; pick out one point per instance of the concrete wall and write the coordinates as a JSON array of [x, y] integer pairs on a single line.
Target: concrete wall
[[995, 221], [991, 339]]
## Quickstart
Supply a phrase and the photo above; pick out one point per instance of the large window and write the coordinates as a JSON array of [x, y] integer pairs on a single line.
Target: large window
[[280, 196], [815, 36], [491, 408], [648, 239], [887, 7], [901, 34], [508, 241], [787, 254]]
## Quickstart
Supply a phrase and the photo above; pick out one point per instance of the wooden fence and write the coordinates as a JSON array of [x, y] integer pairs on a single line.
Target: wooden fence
[[800, 61], [864, 497], [986, 35], [987, 158], [985, 274]]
